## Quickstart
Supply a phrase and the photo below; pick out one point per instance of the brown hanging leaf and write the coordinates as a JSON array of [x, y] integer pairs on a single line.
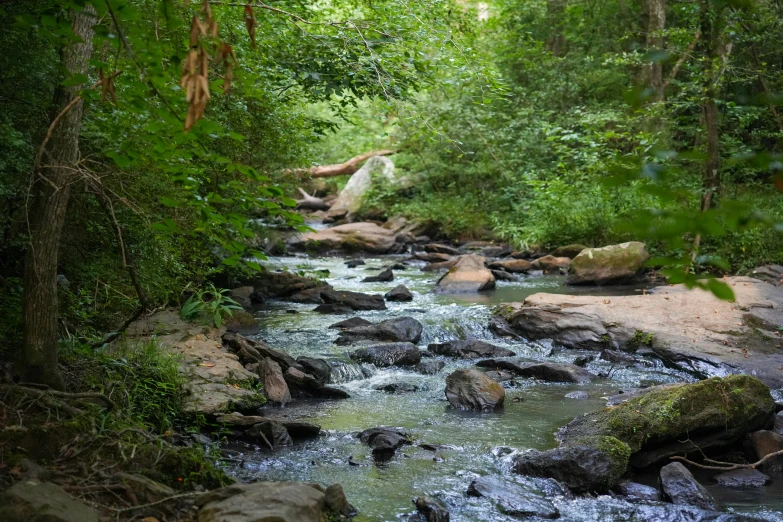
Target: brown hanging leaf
[[195, 31], [107, 86], [250, 23], [226, 57]]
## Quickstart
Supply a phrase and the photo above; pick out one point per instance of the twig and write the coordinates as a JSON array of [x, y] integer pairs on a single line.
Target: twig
[[681, 61], [60, 394], [167, 499], [728, 466]]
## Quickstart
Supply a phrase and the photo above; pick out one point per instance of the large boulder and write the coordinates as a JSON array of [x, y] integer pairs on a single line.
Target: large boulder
[[253, 351], [673, 420], [545, 371], [468, 275], [388, 354], [399, 329], [262, 501], [679, 487], [377, 169], [608, 265], [513, 499], [473, 390], [34, 501], [351, 237], [469, 349]]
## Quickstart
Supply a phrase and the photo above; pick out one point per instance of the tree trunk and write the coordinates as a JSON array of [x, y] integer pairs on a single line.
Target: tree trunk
[[652, 74], [711, 175], [50, 194], [555, 11]]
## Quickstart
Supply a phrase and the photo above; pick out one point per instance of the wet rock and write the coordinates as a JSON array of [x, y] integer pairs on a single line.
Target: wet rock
[[34, 501], [270, 431], [388, 354], [429, 367], [501, 328], [765, 442], [336, 501], [384, 441], [397, 388], [439, 248], [432, 509], [433, 257], [501, 275], [399, 294], [550, 263], [303, 384], [333, 308], [617, 357], [282, 284], [350, 237], [473, 390], [353, 263], [584, 360], [742, 478], [251, 351], [778, 426], [318, 368], [278, 501], [275, 387], [569, 251], [502, 376], [582, 468], [242, 296], [608, 265], [636, 491], [354, 300], [296, 429], [350, 323], [443, 265], [399, 329], [384, 277], [673, 420], [679, 487], [577, 395], [515, 266], [545, 371], [513, 499], [468, 275], [469, 349], [607, 509]]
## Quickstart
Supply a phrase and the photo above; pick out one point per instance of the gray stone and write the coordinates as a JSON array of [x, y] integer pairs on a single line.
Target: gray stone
[[582, 468], [303, 384], [384, 441], [399, 294], [545, 371], [350, 323], [469, 349], [679, 487], [263, 501], [742, 478], [34, 501], [398, 329], [432, 509], [513, 499], [636, 491], [318, 368], [577, 395], [388, 354], [429, 367], [473, 390], [765, 442], [384, 277], [438, 248], [336, 502], [270, 431]]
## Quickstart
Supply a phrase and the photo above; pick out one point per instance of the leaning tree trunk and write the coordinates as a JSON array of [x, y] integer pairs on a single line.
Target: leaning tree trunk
[[50, 194], [652, 74]]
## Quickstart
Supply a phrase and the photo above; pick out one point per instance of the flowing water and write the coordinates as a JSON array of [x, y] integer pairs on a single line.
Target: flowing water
[[468, 444]]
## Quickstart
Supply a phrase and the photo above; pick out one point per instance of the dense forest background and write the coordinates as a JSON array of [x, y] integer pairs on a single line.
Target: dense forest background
[[536, 122]]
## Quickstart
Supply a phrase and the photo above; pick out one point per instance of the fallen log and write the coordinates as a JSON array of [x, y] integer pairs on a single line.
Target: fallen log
[[310, 202], [342, 169]]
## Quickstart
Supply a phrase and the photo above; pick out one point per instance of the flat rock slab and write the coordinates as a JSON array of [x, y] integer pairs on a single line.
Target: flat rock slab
[[261, 501], [351, 237], [513, 499], [742, 478], [545, 371], [688, 329], [398, 329], [33, 501], [469, 349], [388, 354]]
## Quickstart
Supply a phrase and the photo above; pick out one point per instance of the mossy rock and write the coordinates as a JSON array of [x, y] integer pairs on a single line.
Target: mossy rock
[[569, 251], [677, 419], [608, 265]]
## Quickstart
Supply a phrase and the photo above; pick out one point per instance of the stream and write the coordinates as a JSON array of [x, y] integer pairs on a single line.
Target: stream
[[468, 444]]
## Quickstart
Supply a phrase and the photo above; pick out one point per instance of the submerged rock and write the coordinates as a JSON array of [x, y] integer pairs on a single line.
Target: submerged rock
[[469, 349], [608, 265], [384, 277], [577, 395], [384, 441], [545, 371], [399, 294], [468, 275], [513, 499], [679, 487], [34, 501], [397, 388], [432, 509], [399, 329], [473, 390], [742, 478], [607, 509], [350, 323], [388, 354], [353, 263]]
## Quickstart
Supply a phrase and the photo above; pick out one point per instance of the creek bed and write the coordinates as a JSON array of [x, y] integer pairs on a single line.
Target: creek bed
[[469, 444]]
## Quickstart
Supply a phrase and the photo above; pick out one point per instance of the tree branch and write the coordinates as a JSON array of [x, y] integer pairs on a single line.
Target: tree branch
[[341, 169]]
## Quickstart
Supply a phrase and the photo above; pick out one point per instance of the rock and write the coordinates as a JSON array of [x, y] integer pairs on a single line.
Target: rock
[[496, 251], [551, 263], [399, 293], [275, 387], [679, 487], [350, 323], [432, 509], [399, 329], [273, 432], [473, 390], [582, 468], [584, 360], [318, 368], [144, 487], [336, 501], [515, 266], [350, 237], [34, 501], [672, 420], [577, 395], [388, 354], [250, 351], [569, 251], [240, 321], [333, 308], [513, 499], [438, 248], [384, 441], [502, 376], [377, 169], [296, 429], [628, 394], [690, 330], [260, 501], [353, 263], [772, 274], [429, 367], [765, 442], [778, 427], [608, 265], [617, 357], [305, 385], [397, 388], [466, 276], [433, 257], [607, 509], [636, 491], [445, 265], [282, 284], [469, 349], [545, 371], [354, 300], [500, 275], [384, 277], [742, 478], [242, 296]]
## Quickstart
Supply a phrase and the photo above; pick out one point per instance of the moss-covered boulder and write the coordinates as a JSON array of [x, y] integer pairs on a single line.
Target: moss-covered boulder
[[679, 419], [608, 265]]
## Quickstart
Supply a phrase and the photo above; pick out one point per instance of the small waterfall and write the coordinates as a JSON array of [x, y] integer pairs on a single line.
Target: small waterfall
[[346, 372]]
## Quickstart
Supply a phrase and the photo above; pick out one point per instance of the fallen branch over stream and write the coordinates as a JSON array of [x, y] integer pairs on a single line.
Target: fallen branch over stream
[[341, 169], [728, 466]]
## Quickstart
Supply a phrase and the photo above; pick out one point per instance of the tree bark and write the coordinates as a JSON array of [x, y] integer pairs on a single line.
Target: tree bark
[[50, 193], [652, 74], [341, 169], [711, 175], [555, 11]]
